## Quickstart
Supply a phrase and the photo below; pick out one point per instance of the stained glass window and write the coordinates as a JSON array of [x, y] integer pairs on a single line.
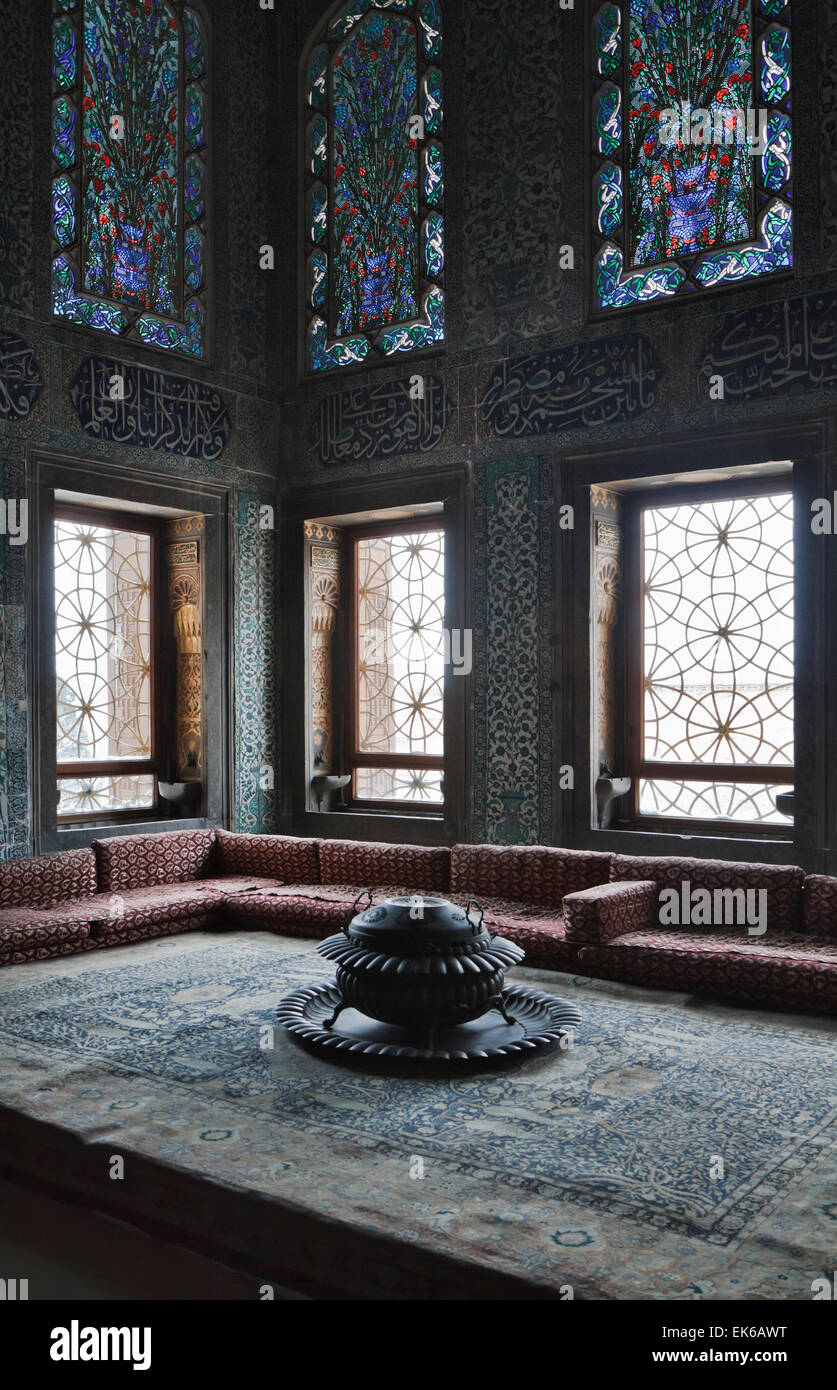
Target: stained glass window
[[714, 694], [374, 183], [397, 690], [692, 146], [103, 665], [129, 192]]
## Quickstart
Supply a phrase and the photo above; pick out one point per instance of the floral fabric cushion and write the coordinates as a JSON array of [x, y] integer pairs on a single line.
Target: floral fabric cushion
[[286, 857], [48, 880], [20, 929], [418, 868], [820, 904], [158, 906], [527, 873], [783, 967], [782, 882], [610, 910], [141, 861]]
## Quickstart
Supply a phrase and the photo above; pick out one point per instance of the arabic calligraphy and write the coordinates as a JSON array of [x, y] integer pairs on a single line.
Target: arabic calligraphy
[[150, 408], [775, 348], [21, 382], [585, 384], [380, 421]]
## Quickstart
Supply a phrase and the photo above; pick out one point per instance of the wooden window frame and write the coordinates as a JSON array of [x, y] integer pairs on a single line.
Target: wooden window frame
[[130, 523], [355, 758], [637, 766]]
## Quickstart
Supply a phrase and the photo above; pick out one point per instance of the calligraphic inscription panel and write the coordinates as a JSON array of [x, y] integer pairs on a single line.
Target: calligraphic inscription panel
[[585, 384], [136, 405], [774, 349], [21, 382], [381, 421]]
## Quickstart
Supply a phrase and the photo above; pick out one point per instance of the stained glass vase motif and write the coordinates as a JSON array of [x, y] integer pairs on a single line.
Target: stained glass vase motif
[[131, 262]]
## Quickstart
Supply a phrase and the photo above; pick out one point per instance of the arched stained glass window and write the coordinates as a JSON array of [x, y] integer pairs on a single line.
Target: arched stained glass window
[[374, 183], [692, 154], [129, 149]]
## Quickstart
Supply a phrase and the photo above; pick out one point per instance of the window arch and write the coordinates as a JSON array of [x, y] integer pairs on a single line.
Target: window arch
[[374, 183], [692, 152], [129, 149]]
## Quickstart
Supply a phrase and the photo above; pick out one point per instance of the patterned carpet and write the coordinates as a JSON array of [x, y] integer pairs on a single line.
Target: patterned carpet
[[591, 1168]]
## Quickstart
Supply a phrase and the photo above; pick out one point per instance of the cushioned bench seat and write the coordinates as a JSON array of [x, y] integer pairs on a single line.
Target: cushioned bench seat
[[783, 966], [23, 928]]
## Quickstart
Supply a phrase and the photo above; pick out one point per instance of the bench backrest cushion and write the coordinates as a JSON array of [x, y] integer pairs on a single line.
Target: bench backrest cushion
[[287, 857], [782, 882], [421, 868], [526, 873], [820, 904], [48, 880], [143, 861]]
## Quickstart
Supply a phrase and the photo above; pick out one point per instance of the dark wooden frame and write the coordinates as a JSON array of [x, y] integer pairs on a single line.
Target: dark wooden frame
[[51, 470], [110, 767], [452, 487], [353, 757], [810, 443], [638, 767]]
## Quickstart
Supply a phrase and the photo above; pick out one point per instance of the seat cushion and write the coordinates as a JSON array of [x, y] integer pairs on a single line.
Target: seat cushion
[[417, 868], [231, 885], [287, 857], [783, 966], [159, 906], [21, 928], [141, 861], [782, 882], [48, 880], [292, 909], [526, 873]]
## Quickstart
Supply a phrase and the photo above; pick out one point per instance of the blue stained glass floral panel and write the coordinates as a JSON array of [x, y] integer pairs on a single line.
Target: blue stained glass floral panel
[[775, 64], [607, 32], [771, 8], [193, 177], [63, 211], [318, 145], [63, 133], [174, 336], [194, 248], [194, 116], [432, 89], [375, 190], [323, 355], [607, 117], [353, 13], [82, 309], [195, 56], [777, 158], [434, 176], [64, 53], [315, 87], [425, 333], [317, 212], [430, 18], [434, 247], [318, 280], [608, 197]]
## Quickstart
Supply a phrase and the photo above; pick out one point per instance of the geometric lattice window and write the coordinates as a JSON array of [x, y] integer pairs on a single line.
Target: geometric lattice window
[[374, 183], [104, 680], [129, 152], [711, 703], [396, 694], [692, 146]]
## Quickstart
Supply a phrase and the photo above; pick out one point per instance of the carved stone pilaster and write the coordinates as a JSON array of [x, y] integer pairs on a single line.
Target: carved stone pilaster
[[325, 600], [184, 564]]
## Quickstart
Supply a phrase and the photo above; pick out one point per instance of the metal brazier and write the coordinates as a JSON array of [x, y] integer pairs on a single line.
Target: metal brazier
[[419, 963]]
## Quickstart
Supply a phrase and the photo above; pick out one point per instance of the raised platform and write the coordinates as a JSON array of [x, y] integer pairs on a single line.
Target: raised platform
[[589, 1168]]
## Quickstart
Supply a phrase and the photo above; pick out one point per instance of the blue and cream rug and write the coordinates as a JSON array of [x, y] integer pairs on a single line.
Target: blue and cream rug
[[681, 1149]]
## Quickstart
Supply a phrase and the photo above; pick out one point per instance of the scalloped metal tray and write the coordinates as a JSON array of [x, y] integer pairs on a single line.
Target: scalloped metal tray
[[540, 1021]]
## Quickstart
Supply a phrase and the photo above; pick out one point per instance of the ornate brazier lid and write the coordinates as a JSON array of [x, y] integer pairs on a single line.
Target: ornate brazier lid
[[416, 925]]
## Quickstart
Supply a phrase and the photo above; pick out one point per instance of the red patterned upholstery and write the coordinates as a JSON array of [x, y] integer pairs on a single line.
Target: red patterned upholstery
[[783, 967], [48, 880], [783, 882], [126, 931], [285, 857], [20, 928], [820, 904], [611, 910], [159, 907], [525, 873], [232, 884], [292, 910], [140, 861], [418, 868]]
